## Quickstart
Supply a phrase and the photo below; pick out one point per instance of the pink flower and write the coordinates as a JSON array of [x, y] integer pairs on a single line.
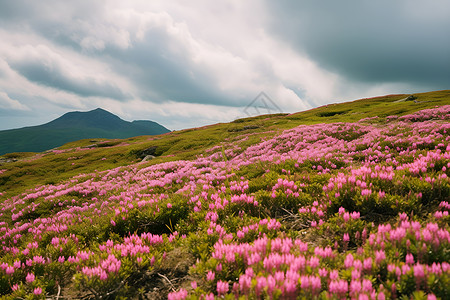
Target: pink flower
[[219, 267], [380, 256], [323, 272], [261, 283], [222, 287], [334, 274], [367, 264], [103, 275], [30, 277], [210, 276], [346, 237], [315, 284], [409, 259], [355, 287], [180, 295], [38, 260], [314, 262], [418, 271], [367, 285], [338, 287], [348, 262], [169, 205], [245, 282], [194, 284], [305, 282], [346, 217], [271, 284], [254, 258], [17, 264], [37, 291], [9, 270]]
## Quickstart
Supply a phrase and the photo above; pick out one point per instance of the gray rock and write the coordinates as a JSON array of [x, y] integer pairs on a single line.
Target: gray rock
[[149, 151], [148, 157]]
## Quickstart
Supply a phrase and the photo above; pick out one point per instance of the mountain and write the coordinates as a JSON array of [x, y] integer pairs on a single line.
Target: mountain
[[72, 126]]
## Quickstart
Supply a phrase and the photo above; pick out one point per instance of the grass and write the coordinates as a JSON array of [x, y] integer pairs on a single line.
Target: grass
[[73, 158]]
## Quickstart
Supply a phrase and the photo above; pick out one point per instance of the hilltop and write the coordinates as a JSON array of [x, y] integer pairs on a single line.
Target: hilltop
[[348, 200], [74, 126]]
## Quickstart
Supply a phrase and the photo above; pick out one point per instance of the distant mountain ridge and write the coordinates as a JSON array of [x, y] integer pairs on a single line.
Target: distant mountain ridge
[[72, 126]]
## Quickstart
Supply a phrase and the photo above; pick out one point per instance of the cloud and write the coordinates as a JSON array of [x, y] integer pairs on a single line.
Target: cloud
[[163, 52], [371, 41], [47, 67], [206, 61], [6, 103]]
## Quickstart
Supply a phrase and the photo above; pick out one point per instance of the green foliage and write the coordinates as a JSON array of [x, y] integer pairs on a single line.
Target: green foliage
[[142, 220]]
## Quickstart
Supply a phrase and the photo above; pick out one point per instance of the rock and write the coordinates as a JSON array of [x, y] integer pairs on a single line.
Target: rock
[[148, 157], [149, 151], [411, 98], [91, 146], [7, 160]]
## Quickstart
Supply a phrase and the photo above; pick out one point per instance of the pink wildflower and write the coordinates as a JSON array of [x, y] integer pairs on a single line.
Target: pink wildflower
[[30, 277], [409, 259], [210, 276], [380, 256], [9, 270], [194, 284], [222, 287], [37, 291], [346, 237]]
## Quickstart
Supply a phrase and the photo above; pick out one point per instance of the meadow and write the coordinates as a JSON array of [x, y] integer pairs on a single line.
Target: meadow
[[344, 201]]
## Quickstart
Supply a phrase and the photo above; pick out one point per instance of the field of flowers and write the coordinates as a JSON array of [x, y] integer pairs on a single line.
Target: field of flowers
[[327, 211]]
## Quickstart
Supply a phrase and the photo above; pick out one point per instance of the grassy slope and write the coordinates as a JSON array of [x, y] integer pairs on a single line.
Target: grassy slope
[[49, 168]]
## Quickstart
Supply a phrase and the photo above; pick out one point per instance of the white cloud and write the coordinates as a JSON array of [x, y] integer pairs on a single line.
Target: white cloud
[[7, 103]]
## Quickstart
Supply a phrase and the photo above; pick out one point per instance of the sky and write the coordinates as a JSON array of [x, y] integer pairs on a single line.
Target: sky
[[191, 63]]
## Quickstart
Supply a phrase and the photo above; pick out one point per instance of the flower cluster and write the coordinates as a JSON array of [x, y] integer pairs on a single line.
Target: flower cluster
[[323, 211]]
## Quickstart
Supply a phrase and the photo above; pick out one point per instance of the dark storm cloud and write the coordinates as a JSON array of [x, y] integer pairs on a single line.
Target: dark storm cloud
[[160, 65], [405, 41], [55, 77]]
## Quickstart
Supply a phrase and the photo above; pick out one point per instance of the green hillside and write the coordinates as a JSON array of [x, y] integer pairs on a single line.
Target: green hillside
[[54, 166]]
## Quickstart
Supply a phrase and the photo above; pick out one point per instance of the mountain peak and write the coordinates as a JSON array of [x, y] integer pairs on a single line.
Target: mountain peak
[[99, 110], [72, 126], [97, 118]]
